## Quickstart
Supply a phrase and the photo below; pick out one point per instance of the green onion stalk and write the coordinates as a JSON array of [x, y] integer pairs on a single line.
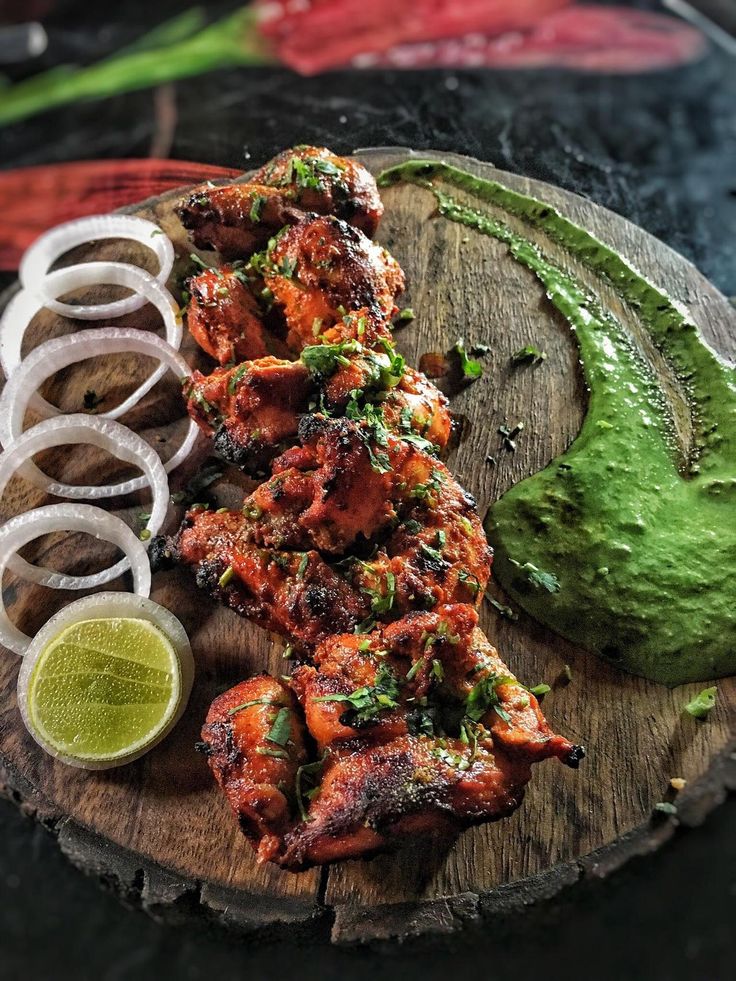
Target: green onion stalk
[[181, 48]]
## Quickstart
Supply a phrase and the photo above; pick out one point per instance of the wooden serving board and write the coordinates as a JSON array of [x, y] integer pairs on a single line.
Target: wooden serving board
[[161, 830]]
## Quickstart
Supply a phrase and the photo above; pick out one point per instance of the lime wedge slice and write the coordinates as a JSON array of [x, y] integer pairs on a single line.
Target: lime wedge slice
[[105, 689]]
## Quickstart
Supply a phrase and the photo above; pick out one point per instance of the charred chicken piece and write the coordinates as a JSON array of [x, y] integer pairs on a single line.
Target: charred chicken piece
[[326, 184], [419, 728], [239, 219], [253, 409], [224, 318], [332, 282], [254, 740], [293, 559]]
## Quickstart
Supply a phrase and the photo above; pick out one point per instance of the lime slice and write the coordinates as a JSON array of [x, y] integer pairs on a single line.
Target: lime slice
[[104, 689]]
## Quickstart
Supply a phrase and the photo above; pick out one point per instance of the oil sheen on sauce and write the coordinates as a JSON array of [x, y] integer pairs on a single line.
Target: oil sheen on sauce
[[626, 543]]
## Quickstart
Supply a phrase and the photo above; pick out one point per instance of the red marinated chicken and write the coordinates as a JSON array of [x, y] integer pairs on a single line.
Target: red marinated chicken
[[239, 219], [347, 530], [418, 727], [253, 409], [224, 318], [332, 282], [359, 546]]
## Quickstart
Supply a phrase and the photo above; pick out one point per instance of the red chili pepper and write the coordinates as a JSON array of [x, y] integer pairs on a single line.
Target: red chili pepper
[[88, 187]]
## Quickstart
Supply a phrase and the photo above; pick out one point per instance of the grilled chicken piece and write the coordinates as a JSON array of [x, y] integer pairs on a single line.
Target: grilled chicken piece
[[419, 728], [332, 282], [254, 738], [239, 219], [326, 184], [253, 410], [224, 318], [342, 496]]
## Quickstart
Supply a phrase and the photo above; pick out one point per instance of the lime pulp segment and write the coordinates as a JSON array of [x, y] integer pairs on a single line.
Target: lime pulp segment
[[104, 688]]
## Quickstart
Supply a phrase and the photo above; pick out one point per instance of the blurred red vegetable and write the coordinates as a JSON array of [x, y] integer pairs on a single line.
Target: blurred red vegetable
[[316, 35], [70, 190], [607, 39]]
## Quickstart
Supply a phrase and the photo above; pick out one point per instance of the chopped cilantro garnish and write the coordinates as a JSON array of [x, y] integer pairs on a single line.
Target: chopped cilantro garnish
[[256, 207], [405, 316], [323, 360], [529, 354], [302, 566], [280, 731], [703, 703], [665, 807], [306, 784], [471, 369], [470, 581], [483, 697], [538, 690], [367, 702], [247, 705], [541, 579]]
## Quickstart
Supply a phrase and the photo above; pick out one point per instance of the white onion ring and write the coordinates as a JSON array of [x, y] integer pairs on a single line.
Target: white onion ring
[[60, 352], [39, 258], [111, 436], [24, 528], [24, 306], [101, 606]]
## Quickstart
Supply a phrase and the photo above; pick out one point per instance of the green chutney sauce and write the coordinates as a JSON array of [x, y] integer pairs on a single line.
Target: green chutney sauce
[[626, 543]]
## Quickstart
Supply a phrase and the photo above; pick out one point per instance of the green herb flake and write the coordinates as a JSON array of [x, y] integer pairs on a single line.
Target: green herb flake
[[247, 705], [703, 704], [277, 754], [280, 731], [405, 316], [256, 207], [226, 577], [529, 354], [367, 702], [541, 579], [539, 690], [665, 807], [302, 566], [471, 369], [306, 784]]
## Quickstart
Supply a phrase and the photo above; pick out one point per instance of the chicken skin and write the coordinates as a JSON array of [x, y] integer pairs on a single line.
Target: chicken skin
[[346, 531], [418, 726], [332, 282], [224, 318], [254, 735], [239, 219], [253, 409]]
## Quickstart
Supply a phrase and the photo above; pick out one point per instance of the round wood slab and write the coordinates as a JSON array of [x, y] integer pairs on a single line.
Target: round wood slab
[[162, 831]]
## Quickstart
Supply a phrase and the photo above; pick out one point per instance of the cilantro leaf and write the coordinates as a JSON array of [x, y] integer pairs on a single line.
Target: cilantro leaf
[[703, 703], [471, 369]]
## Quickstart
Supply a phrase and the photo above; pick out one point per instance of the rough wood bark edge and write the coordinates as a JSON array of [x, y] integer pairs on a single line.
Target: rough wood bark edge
[[166, 896]]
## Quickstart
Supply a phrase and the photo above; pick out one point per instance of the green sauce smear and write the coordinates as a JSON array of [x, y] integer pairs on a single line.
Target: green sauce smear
[[626, 543]]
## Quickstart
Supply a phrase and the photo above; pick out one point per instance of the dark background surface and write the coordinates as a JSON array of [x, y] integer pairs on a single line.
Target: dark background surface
[[659, 149]]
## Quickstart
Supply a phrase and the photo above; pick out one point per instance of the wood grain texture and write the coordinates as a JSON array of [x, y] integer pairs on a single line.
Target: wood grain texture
[[160, 828]]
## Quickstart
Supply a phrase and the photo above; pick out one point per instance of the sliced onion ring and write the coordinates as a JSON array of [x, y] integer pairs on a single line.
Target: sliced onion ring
[[110, 436], [60, 352], [24, 528], [24, 306], [39, 258], [98, 607]]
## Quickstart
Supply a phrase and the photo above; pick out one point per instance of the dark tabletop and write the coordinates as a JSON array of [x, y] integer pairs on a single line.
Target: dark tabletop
[[659, 149]]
